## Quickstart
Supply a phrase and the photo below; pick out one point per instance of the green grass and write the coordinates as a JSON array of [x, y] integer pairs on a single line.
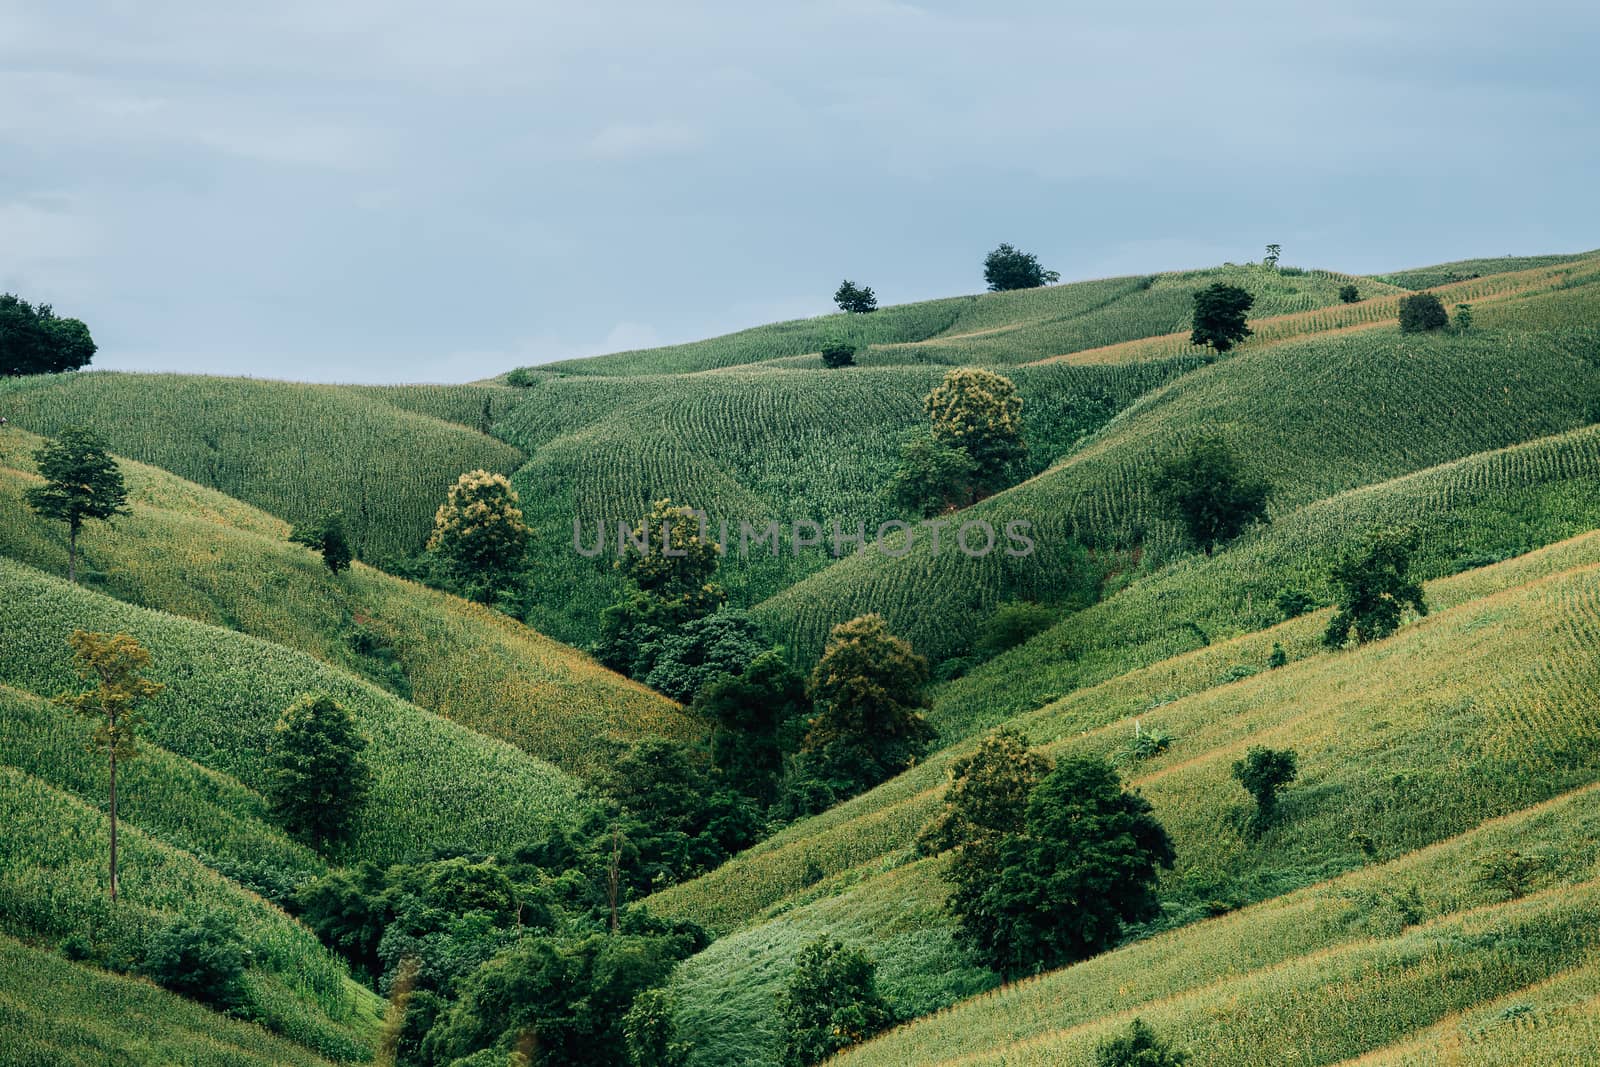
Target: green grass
[[59, 1014], [297, 451], [1463, 269], [436, 783], [190, 552]]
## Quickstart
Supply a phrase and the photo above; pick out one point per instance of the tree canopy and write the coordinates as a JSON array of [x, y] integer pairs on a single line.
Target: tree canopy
[[1009, 268], [979, 412], [81, 482], [1219, 316], [1204, 488], [34, 341], [319, 779], [855, 299], [1373, 587]]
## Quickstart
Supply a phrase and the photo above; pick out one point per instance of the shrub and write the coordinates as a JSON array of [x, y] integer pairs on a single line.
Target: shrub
[[326, 537], [1463, 317], [201, 959], [1012, 623], [651, 1032], [1278, 658], [1349, 294], [521, 378], [1219, 316], [838, 353], [1148, 744], [830, 1003], [1137, 1047], [1422, 312], [1293, 603], [1263, 772]]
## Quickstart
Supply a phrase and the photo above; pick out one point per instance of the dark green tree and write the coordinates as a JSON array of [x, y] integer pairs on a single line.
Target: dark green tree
[[752, 716], [202, 959], [1373, 587], [1012, 623], [1010, 268], [1138, 1046], [318, 777], [1264, 772], [1219, 316], [34, 341], [651, 1031], [831, 1002], [933, 476], [1349, 294], [1421, 312], [1463, 321], [724, 642], [853, 298], [81, 482], [986, 800], [838, 353], [669, 560], [1062, 890], [327, 538], [1270, 260], [1204, 488]]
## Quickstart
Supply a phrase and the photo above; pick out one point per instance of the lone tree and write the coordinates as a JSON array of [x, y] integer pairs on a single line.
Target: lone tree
[[480, 533], [81, 482], [1010, 268], [1203, 488], [1421, 312], [1061, 890], [1263, 772], [1219, 311], [1271, 258], [1373, 587], [326, 537], [318, 777], [979, 412], [933, 476], [856, 299], [34, 341], [830, 1003], [114, 662], [1138, 1046], [1463, 317], [1349, 294], [867, 688], [838, 353]]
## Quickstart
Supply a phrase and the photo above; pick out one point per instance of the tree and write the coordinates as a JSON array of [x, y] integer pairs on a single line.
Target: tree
[[1421, 312], [318, 778], [81, 482], [1373, 587], [1012, 623], [1349, 294], [831, 1002], [751, 716], [1062, 890], [867, 689], [837, 353], [856, 299], [114, 662], [1463, 317], [987, 797], [1219, 316], [1263, 772], [480, 533], [669, 559], [1271, 258], [327, 537], [1009, 268], [1203, 488], [979, 412], [1139, 1046], [933, 476], [723, 642], [34, 341], [651, 1031], [200, 959]]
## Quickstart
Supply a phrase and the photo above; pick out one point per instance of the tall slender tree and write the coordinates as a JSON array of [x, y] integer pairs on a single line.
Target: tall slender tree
[[114, 662], [81, 482]]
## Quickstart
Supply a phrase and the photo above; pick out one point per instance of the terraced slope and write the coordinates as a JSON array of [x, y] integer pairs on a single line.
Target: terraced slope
[[192, 552], [1464, 269], [297, 451], [1470, 714], [435, 783]]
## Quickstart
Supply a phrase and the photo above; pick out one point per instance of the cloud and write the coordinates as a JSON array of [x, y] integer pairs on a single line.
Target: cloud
[[630, 140]]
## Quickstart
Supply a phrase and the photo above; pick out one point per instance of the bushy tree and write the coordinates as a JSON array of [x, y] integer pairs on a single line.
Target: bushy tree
[[1204, 488], [867, 689], [838, 353], [1138, 1046], [1264, 772], [933, 476], [480, 533], [327, 538], [1012, 623], [831, 1002], [33, 340], [979, 412], [651, 1031], [202, 959], [1421, 312], [720, 643], [679, 825], [751, 716], [1373, 587], [856, 299], [81, 482], [1219, 316], [1061, 890], [1463, 317], [669, 562], [318, 777], [986, 798], [115, 664], [1009, 268], [1349, 293]]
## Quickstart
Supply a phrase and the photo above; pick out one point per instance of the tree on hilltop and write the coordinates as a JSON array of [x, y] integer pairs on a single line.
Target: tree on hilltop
[[1219, 316], [855, 299], [33, 340], [1008, 268]]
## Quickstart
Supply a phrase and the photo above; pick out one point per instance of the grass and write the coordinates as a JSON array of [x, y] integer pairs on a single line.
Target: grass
[[436, 783], [59, 1014], [1473, 713], [297, 451], [183, 552], [1463, 269]]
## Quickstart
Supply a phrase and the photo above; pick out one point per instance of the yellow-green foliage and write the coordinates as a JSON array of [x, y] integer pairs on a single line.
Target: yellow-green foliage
[[435, 782], [1464, 269], [53, 886], [59, 1014], [191, 551], [297, 451]]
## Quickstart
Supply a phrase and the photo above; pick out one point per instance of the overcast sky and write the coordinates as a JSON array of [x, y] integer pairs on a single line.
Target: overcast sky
[[390, 191]]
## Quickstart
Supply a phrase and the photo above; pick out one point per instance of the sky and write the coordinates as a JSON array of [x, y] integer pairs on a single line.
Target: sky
[[391, 191]]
